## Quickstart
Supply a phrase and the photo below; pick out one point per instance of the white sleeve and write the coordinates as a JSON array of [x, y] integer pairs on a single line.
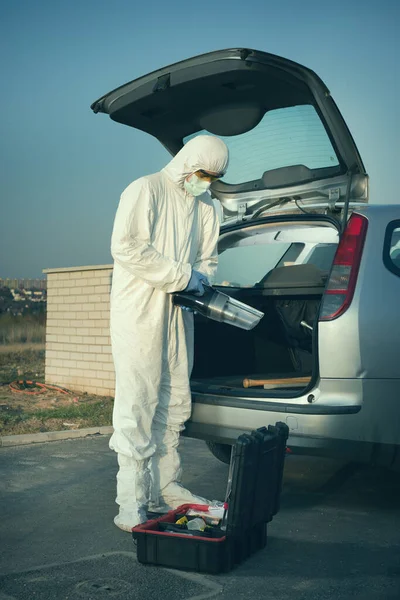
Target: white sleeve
[[207, 256], [131, 244]]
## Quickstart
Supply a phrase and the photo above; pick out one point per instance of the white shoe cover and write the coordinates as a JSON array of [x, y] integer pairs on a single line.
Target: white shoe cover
[[133, 487], [126, 520], [174, 495], [167, 491]]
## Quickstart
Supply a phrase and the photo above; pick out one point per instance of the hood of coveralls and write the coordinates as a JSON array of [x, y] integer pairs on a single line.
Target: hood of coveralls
[[202, 152]]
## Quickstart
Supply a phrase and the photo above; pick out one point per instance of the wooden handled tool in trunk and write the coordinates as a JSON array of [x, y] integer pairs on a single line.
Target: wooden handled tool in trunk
[[278, 382]]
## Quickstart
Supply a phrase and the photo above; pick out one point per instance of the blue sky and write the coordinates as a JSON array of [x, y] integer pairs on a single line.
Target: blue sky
[[63, 168]]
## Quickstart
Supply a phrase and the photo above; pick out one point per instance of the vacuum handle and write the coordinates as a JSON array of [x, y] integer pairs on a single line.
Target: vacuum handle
[[208, 288]]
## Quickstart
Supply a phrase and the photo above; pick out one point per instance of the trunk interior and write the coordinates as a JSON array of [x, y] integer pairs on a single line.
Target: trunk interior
[[280, 349]]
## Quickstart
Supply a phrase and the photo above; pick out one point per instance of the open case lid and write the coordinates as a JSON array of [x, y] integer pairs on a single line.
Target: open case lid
[[257, 468]]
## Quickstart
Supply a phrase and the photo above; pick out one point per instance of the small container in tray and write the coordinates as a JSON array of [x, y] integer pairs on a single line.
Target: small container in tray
[[257, 468]]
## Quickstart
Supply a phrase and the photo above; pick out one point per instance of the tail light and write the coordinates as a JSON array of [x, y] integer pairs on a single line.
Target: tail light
[[343, 278]]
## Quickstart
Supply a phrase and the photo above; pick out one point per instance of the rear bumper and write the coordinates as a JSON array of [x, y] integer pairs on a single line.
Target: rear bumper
[[270, 406], [300, 444], [386, 455], [349, 418]]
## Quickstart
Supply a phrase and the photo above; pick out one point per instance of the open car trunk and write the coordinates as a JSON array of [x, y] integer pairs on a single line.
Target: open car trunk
[[278, 348], [292, 156], [289, 263]]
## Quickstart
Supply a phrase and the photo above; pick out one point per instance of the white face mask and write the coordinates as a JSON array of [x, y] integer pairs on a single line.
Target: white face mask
[[196, 186]]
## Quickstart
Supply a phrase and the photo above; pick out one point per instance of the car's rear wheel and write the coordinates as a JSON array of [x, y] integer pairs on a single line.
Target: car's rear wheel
[[221, 451]]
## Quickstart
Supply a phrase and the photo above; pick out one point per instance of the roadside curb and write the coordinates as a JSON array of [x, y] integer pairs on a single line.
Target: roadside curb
[[52, 436]]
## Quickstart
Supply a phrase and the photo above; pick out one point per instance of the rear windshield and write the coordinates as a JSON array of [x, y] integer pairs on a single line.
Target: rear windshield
[[247, 257], [284, 137]]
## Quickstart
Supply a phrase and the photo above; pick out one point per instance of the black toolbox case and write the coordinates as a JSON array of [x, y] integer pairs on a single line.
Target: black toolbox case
[[256, 469]]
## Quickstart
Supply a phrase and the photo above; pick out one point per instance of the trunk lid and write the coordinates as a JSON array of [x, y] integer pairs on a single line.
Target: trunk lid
[[291, 150]]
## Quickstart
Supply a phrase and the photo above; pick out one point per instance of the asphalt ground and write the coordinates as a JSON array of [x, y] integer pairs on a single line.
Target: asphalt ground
[[337, 534]]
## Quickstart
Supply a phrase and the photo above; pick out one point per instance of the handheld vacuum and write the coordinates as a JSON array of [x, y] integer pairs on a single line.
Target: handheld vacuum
[[220, 307]]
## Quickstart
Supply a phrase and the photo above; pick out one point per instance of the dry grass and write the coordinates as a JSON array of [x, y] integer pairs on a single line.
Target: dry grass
[[23, 329], [25, 414], [17, 348], [49, 411], [24, 361]]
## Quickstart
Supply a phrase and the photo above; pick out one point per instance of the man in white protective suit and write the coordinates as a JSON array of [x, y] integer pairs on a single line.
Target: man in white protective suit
[[164, 240]]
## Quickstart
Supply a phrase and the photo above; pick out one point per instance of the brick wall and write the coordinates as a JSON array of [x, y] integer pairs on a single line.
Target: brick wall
[[78, 351]]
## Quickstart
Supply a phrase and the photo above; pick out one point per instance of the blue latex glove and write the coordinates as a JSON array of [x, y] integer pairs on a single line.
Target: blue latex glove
[[196, 283]]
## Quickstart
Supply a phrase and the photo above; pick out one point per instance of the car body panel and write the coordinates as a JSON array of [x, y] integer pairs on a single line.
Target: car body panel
[[356, 398], [366, 337], [295, 83], [228, 93]]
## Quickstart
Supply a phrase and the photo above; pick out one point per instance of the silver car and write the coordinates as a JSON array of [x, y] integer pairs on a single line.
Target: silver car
[[299, 243]]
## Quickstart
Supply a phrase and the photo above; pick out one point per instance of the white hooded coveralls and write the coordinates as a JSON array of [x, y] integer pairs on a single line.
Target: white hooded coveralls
[[160, 233]]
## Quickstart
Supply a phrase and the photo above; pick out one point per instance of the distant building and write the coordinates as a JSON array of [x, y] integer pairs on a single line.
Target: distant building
[[33, 296], [24, 284]]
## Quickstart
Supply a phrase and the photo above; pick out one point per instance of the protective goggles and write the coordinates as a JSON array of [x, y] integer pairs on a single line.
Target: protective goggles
[[212, 177]]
